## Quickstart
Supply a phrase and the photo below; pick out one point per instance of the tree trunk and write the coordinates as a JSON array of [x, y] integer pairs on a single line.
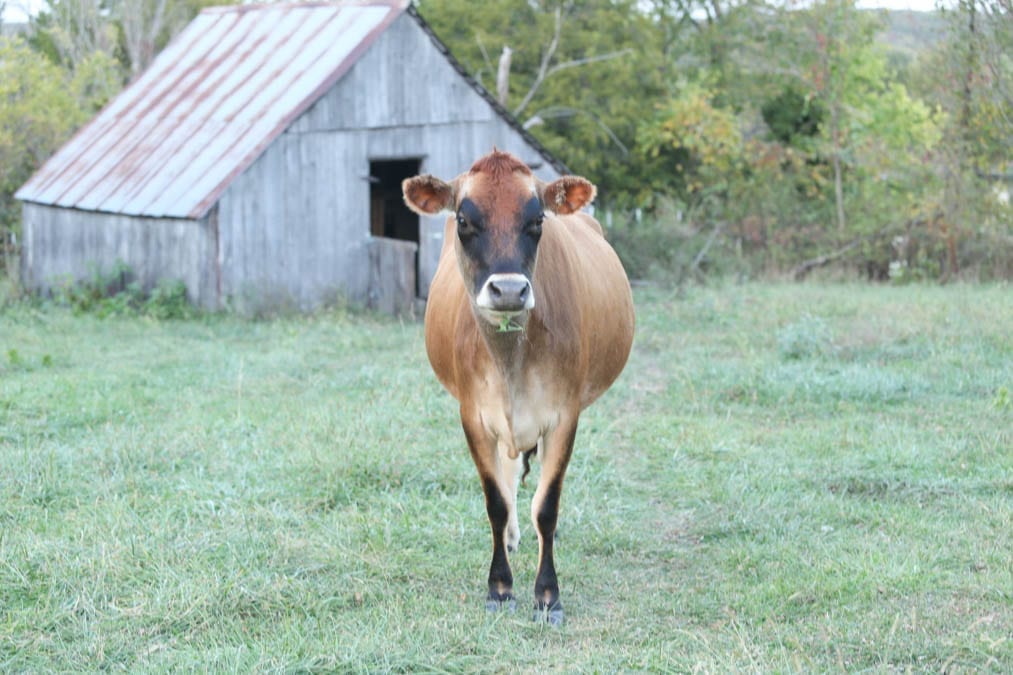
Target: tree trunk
[[838, 179]]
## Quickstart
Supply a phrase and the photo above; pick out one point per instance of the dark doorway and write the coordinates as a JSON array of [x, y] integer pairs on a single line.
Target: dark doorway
[[388, 215]]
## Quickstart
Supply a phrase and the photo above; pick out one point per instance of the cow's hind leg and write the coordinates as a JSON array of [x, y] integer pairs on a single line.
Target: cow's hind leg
[[544, 514], [497, 505]]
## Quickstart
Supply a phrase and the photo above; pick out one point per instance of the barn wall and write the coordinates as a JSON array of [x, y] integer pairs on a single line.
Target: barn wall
[[59, 242], [401, 80], [308, 242], [290, 226], [446, 151]]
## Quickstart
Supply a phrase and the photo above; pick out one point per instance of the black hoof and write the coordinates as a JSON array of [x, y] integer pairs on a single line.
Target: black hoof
[[550, 615], [508, 604]]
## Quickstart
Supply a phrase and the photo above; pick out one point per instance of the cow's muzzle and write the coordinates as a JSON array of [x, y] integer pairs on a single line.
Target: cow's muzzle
[[506, 293]]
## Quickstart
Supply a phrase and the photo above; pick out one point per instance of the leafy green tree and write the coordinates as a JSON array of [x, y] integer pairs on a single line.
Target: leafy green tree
[[693, 146], [41, 104], [582, 75], [70, 31], [133, 30], [793, 116], [77, 55], [867, 143], [973, 78]]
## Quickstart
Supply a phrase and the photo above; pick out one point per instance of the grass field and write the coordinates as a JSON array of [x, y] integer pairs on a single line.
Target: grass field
[[786, 478]]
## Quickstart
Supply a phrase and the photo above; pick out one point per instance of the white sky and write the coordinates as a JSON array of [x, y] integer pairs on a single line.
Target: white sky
[[19, 10], [919, 5]]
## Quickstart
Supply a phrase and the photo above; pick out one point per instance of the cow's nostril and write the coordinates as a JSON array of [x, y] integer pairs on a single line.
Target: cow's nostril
[[506, 293]]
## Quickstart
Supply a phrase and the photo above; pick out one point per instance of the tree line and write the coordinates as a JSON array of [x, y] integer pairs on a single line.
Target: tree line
[[749, 137]]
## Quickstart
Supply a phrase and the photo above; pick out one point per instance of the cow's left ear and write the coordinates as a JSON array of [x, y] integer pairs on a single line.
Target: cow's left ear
[[566, 195], [428, 195]]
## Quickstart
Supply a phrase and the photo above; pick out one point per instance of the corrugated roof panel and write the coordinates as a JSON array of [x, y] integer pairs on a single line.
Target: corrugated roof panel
[[210, 103], [158, 84], [300, 66], [193, 128], [250, 50], [187, 138]]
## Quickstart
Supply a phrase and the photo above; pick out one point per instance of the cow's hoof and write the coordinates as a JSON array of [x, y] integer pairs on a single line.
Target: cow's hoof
[[550, 615], [508, 604], [513, 538]]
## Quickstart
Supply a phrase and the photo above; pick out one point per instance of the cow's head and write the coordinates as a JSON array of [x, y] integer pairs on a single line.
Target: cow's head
[[499, 206]]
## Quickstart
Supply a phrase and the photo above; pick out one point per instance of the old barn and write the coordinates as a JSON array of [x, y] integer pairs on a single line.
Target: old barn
[[259, 160]]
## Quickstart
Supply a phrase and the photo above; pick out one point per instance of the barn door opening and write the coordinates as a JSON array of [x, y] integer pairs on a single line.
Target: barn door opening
[[388, 215]]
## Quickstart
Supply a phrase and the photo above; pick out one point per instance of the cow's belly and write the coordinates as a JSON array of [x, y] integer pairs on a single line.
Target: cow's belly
[[517, 424], [531, 422]]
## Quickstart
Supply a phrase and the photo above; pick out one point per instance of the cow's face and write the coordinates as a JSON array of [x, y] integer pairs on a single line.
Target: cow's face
[[499, 208]]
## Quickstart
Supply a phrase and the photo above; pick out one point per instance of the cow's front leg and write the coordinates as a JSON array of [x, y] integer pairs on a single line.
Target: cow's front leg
[[544, 514], [510, 470], [497, 505]]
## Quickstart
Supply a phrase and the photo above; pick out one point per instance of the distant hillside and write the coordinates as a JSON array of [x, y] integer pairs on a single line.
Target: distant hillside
[[910, 32], [12, 28]]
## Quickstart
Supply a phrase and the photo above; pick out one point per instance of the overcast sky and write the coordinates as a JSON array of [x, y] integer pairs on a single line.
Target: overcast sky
[[17, 10]]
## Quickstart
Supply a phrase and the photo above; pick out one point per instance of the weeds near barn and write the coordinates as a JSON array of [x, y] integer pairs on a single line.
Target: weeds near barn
[[118, 293], [786, 478]]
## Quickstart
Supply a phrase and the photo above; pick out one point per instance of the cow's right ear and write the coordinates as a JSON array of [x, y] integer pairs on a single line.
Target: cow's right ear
[[428, 195]]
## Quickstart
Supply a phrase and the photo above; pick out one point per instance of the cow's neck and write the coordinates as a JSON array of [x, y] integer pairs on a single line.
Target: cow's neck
[[509, 348]]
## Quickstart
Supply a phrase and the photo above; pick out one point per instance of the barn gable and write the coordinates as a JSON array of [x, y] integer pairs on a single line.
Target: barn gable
[[272, 132], [207, 106]]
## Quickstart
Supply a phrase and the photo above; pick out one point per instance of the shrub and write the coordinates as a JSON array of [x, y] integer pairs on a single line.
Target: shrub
[[118, 293]]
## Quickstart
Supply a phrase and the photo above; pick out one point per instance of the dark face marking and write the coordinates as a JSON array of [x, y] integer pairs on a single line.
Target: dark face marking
[[499, 243]]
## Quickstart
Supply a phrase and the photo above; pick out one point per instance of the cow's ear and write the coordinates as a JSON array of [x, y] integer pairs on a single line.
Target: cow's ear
[[428, 195], [567, 194]]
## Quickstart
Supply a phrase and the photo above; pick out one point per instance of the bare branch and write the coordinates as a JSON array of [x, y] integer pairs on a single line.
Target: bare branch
[[694, 267], [590, 59], [803, 268], [485, 54], [563, 66], [544, 67], [503, 75], [561, 111]]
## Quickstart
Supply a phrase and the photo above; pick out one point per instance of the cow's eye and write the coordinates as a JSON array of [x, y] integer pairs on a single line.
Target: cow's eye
[[465, 230], [534, 227]]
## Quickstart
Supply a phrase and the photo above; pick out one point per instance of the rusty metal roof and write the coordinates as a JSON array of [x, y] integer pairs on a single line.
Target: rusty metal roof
[[207, 107]]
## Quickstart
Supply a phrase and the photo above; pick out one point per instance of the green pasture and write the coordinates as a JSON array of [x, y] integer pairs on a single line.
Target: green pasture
[[787, 478]]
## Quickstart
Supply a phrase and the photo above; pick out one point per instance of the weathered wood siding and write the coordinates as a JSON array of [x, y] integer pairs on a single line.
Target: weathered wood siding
[[58, 243], [392, 276], [295, 226]]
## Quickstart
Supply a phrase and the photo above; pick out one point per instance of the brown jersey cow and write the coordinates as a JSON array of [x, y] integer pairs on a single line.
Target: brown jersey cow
[[529, 320]]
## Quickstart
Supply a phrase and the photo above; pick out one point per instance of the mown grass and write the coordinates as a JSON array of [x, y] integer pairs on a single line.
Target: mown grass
[[787, 478]]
